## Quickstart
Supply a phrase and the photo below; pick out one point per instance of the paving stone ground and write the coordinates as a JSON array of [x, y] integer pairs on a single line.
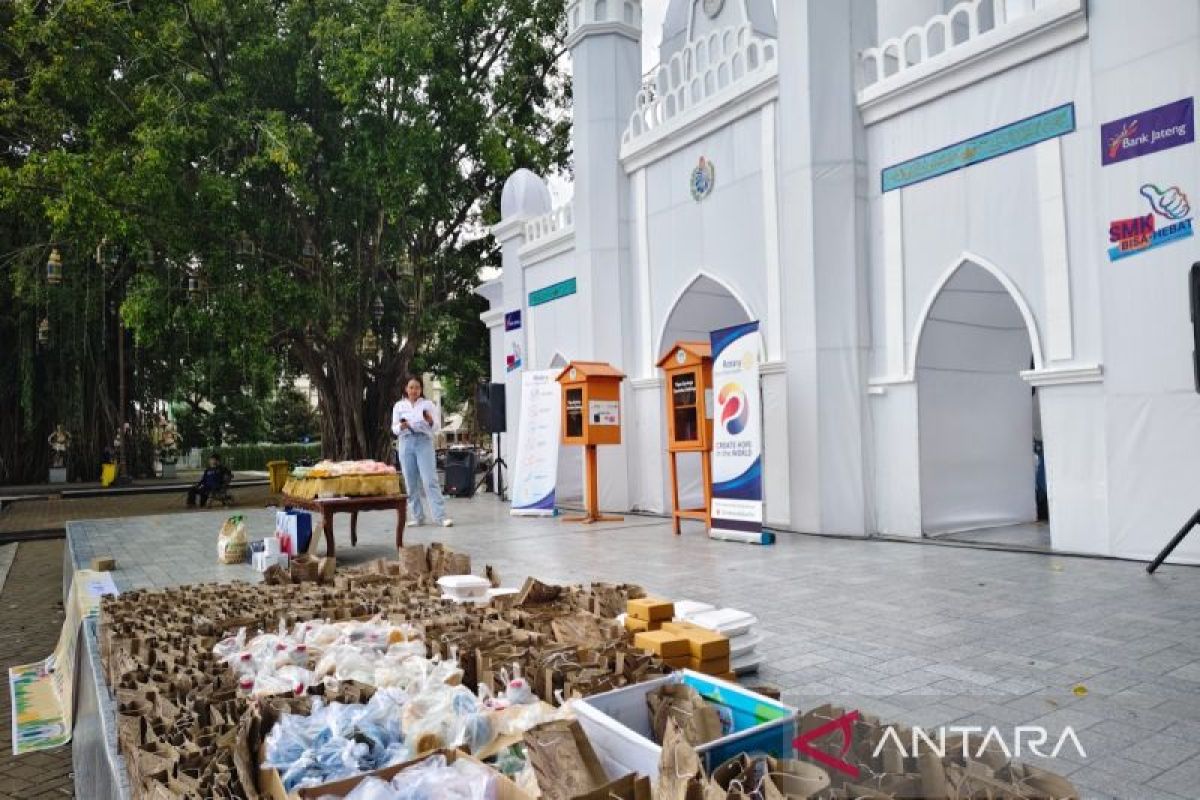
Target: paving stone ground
[[918, 634], [30, 620]]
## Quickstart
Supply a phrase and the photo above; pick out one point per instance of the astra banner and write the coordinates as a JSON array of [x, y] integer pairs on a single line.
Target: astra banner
[[737, 500]]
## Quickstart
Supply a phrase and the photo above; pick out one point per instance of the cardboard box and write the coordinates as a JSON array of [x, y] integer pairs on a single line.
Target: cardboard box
[[651, 609], [678, 662], [713, 666], [635, 625], [705, 645], [104, 564], [271, 782], [662, 643]]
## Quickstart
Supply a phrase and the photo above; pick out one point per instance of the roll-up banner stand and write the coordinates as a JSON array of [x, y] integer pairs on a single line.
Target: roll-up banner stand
[[737, 500], [536, 468]]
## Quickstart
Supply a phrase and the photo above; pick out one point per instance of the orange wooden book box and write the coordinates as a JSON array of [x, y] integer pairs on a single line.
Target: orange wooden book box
[[591, 417], [687, 384]]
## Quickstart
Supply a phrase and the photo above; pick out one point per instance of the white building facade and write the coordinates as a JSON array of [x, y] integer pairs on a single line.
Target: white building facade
[[947, 256]]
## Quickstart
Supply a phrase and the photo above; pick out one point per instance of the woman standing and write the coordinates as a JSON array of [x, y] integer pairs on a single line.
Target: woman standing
[[415, 420]]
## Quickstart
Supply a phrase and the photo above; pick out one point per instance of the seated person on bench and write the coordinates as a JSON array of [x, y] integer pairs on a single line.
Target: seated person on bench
[[214, 479]]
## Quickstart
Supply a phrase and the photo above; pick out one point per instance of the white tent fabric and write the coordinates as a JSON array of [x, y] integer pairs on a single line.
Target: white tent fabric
[[976, 413]]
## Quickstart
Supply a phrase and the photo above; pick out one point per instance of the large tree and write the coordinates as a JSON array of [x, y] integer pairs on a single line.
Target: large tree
[[304, 181]]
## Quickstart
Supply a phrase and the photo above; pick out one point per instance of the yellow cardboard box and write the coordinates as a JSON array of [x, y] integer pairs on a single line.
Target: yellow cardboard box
[[650, 609], [662, 643], [715, 666], [636, 625], [705, 645]]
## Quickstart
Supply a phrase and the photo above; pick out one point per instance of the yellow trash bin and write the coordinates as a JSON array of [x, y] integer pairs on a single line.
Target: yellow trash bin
[[108, 474], [278, 471]]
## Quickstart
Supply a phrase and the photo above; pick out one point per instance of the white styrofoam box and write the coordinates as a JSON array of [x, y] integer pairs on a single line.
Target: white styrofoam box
[[271, 546], [727, 621], [745, 664], [457, 599], [746, 643], [262, 561], [501, 591], [609, 730], [686, 609], [617, 723], [464, 587]]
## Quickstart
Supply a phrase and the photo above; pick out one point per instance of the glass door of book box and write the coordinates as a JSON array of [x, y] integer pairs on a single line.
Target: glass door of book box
[[687, 415]]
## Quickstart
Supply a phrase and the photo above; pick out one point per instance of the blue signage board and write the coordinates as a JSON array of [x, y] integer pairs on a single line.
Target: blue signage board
[[1001, 141], [554, 291]]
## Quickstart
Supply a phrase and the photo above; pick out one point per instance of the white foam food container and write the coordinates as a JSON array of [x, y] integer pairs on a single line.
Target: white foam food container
[[745, 664], [746, 643], [727, 621], [457, 599], [464, 586], [686, 609]]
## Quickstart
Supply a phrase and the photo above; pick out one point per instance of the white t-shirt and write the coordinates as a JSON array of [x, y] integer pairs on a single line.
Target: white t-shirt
[[415, 414]]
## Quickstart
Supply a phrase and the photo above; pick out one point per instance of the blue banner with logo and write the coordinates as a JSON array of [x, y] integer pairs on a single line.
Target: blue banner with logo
[[737, 500]]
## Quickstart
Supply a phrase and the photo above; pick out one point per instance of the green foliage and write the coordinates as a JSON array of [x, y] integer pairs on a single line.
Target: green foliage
[[458, 351], [290, 417], [298, 161], [256, 456]]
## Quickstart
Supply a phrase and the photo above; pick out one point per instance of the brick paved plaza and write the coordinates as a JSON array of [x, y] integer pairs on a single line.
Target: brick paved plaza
[[914, 633]]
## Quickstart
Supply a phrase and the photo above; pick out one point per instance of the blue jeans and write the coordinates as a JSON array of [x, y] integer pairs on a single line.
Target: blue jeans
[[419, 466]]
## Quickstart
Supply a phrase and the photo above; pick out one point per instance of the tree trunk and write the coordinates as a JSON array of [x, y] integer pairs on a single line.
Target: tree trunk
[[356, 402]]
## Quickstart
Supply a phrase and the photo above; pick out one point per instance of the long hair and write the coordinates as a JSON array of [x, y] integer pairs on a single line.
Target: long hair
[[412, 378]]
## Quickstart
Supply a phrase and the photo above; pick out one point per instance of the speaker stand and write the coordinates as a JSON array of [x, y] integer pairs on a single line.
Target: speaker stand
[[500, 466]]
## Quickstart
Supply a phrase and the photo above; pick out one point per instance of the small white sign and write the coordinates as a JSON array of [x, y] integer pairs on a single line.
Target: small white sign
[[604, 412]]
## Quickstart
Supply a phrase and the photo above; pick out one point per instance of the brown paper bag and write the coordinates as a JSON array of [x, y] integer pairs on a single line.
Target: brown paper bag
[[630, 787], [413, 560], [563, 760], [698, 721], [680, 773]]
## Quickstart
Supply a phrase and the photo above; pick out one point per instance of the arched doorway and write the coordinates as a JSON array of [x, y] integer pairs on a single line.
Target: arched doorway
[[976, 415], [705, 305], [568, 485]]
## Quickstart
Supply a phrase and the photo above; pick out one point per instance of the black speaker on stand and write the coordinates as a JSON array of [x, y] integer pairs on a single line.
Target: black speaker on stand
[[491, 407]]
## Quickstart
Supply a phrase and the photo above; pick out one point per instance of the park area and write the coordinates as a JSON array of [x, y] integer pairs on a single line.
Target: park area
[[597, 400]]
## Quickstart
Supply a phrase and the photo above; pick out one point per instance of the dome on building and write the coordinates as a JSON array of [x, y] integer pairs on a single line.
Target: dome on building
[[525, 194], [759, 13]]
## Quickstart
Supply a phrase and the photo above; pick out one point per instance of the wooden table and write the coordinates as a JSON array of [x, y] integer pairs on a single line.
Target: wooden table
[[327, 507]]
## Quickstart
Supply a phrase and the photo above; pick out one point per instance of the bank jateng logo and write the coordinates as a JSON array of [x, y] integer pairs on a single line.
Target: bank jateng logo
[[1135, 235], [972, 740], [734, 410]]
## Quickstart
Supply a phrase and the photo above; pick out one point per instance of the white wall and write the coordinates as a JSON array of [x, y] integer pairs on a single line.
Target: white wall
[[1145, 55], [723, 235], [553, 327]]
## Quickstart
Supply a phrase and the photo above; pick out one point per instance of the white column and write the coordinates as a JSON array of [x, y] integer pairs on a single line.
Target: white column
[[1056, 274], [893, 286], [770, 172], [646, 344]]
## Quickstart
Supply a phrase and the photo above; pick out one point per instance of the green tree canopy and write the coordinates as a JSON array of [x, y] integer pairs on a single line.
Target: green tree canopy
[[301, 183]]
